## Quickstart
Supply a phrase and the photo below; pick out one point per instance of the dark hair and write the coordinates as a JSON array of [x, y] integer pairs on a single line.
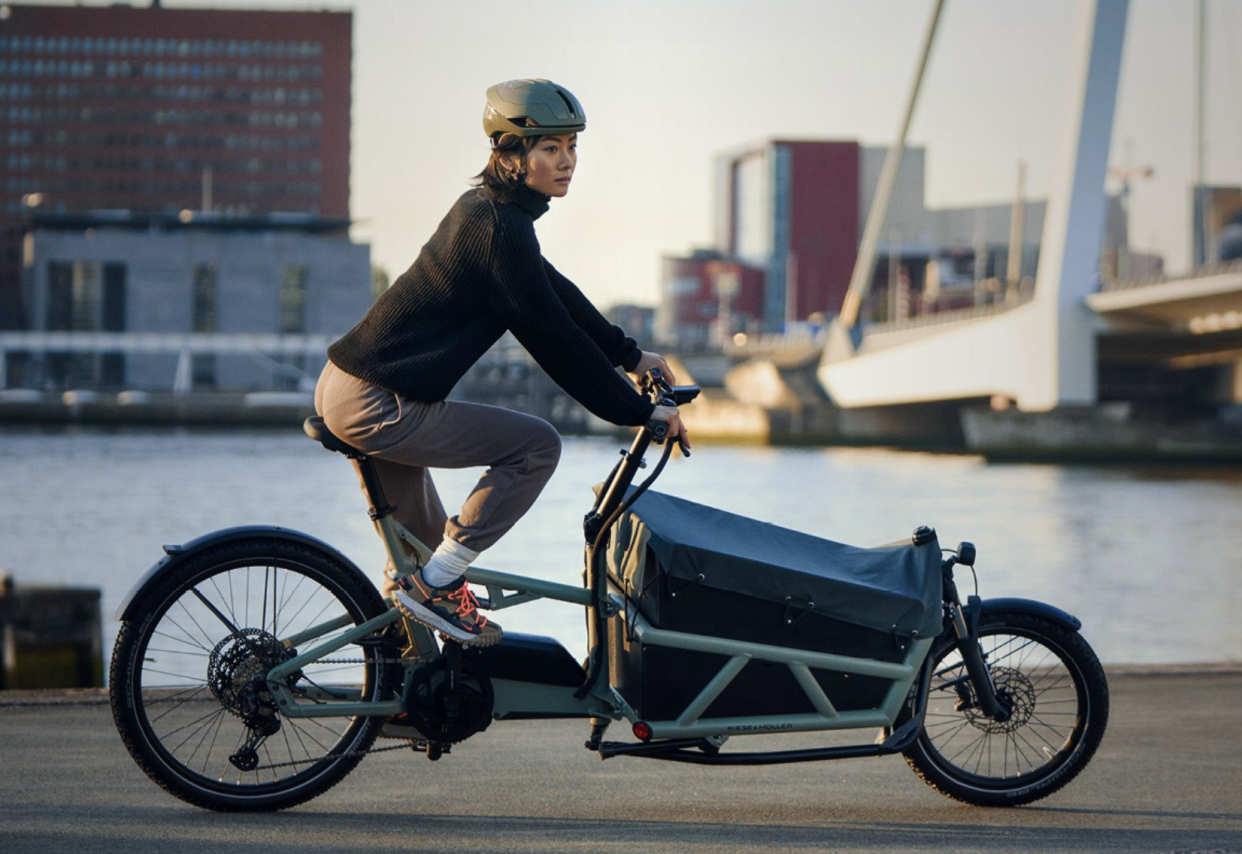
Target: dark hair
[[499, 181]]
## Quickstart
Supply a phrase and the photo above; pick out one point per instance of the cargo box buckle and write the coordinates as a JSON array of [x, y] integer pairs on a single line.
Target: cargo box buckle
[[795, 611], [903, 641]]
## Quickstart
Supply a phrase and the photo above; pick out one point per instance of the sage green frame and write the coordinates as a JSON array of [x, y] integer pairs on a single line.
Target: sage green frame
[[518, 699]]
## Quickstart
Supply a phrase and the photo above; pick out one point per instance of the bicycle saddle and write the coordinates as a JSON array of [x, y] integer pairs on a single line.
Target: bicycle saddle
[[317, 430]]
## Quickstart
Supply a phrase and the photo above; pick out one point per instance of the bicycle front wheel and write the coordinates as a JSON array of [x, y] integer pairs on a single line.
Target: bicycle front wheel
[[188, 675], [1054, 687]]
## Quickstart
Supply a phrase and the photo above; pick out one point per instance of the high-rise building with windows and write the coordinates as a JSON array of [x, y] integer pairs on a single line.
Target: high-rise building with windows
[[158, 111]]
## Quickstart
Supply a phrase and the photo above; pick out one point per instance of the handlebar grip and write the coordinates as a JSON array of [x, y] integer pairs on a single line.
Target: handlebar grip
[[657, 429]]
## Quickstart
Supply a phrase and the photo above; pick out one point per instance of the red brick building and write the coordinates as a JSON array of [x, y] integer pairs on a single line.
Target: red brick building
[[707, 297], [158, 110]]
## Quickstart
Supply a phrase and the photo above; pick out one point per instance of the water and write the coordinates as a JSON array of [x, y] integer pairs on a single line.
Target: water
[[1147, 557]]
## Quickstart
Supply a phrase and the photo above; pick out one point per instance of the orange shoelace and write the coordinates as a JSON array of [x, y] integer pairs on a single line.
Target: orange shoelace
[[467, 606]]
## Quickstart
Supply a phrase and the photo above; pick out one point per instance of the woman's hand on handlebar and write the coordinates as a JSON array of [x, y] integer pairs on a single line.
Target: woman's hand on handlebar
[[654, 360], [676, 430]]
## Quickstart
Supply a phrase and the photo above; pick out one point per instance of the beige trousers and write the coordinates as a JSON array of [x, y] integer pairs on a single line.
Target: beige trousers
[[405, 438]]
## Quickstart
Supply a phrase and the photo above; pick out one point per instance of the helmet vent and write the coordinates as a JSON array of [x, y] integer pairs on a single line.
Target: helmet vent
[[568, 104]]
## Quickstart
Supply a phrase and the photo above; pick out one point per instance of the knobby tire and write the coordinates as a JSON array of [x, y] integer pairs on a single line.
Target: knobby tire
[[1056, 688], [187, 673]]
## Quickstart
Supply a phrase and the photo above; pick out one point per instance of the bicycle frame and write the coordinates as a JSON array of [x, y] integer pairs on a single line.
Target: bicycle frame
[[595, 697]]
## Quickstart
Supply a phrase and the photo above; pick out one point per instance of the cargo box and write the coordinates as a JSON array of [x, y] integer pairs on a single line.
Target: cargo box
[[687, 568]]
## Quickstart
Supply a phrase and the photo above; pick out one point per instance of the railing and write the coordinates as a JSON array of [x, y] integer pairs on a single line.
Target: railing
[[953, 315], [1226, 268], [164, 342]]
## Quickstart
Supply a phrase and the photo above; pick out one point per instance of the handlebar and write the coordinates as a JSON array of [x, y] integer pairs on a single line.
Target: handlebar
[[612, 494], [661, 393]]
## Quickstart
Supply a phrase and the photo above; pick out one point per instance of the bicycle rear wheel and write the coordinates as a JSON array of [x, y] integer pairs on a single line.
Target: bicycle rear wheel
[[188, 675]]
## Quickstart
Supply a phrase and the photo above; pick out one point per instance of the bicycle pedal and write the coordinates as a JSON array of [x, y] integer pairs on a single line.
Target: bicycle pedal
[[436, 749]]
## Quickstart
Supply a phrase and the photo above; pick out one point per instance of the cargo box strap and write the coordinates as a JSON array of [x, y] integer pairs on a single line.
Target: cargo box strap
[[698, 579], [795, 611]]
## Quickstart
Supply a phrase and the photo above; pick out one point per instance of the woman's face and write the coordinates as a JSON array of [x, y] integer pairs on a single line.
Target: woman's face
[[550, 164]]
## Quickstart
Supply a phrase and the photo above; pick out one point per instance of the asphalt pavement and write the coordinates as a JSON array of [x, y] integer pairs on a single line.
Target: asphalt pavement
[[1167, 778]]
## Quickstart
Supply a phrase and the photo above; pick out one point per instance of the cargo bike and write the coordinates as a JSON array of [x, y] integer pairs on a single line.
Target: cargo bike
[[257, 666]]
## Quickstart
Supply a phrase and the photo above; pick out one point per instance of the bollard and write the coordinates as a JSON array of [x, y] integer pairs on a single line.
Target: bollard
[[51, 637]]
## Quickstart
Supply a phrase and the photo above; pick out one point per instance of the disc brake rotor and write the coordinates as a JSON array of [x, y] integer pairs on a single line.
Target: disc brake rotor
[[1013, 689]]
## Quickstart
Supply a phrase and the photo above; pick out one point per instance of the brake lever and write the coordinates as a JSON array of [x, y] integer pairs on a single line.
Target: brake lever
[[659, 432], [670, 400], [654, 381]]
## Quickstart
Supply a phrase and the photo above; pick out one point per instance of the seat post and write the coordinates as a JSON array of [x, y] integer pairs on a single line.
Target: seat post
[[379, 506], [395, 536]]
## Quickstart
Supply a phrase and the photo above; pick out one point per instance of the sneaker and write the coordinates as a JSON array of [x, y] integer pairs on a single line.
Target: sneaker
[[452, 611]]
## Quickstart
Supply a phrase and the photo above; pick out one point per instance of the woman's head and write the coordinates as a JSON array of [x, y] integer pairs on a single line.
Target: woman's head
[[545, 163], [533, 126]]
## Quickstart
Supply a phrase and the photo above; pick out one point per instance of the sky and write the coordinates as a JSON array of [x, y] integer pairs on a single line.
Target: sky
[[669, 86]]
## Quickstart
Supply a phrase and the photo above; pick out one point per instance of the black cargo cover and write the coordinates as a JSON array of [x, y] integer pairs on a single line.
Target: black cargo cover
[[894, 588]]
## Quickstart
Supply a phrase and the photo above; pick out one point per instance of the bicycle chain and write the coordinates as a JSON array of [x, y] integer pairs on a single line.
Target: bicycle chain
[[347, 755], [409, 742], [352, 753]]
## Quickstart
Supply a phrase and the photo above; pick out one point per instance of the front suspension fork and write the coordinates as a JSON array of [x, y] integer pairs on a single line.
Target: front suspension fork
[[966, 629]]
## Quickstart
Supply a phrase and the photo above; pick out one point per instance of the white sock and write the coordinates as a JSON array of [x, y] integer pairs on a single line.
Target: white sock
[[449, 563]]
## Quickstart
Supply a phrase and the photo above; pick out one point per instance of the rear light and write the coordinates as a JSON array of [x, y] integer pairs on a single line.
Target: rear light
[[642, 731]]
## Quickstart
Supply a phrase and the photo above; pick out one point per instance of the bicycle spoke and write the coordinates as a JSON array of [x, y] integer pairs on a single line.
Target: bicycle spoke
[[202, 717], [1044, 676]]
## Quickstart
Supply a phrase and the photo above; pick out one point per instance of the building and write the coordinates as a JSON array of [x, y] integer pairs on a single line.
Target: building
[[706, 298], [638, 321], [791, 210], [196, 303], [156, 111], [790, 218]]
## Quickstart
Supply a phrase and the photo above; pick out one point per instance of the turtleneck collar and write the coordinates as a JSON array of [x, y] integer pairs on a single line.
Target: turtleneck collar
[[532, 202]]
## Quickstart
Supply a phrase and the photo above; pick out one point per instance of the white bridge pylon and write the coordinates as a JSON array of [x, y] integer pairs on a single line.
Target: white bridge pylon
[[1040, 354]]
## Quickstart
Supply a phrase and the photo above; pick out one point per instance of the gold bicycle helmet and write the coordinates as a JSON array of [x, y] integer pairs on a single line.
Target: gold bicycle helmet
[[534, 107]]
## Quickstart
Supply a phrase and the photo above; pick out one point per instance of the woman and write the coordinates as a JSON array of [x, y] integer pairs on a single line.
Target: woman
[[385, 386]]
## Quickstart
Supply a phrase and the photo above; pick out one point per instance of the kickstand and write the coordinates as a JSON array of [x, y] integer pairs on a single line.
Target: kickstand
[[598, 726]]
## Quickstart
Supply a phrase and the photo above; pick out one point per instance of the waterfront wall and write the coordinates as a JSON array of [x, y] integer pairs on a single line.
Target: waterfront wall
[[50, 637]]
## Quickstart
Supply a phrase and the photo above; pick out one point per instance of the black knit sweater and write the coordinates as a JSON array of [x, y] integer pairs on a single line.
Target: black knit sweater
[[480, 274]]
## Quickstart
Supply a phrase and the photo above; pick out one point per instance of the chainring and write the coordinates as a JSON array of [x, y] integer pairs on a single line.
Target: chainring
[[444, 714]]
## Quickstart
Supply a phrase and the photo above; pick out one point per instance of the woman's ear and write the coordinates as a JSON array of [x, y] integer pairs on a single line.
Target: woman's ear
[[512, 161]]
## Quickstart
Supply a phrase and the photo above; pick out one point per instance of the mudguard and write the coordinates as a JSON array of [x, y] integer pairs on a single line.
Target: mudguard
[[1032, 608], [175, 554]]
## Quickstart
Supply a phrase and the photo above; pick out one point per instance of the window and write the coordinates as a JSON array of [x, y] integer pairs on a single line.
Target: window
[[292, 321], [204, 305], [112, 305], [293, 299], [205, 298], [86, 296], [74, 291]]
